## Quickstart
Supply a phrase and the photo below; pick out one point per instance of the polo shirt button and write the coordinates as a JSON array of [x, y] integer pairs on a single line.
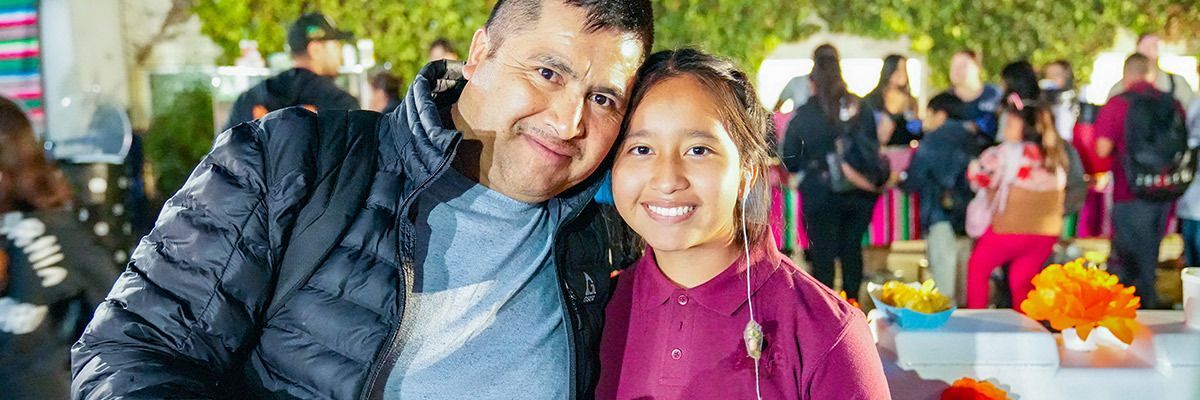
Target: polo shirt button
[[682, 299], [676, 354]]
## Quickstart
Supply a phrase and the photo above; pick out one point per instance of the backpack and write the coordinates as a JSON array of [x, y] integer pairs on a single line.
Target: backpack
[[858, 147], [1158, 163]]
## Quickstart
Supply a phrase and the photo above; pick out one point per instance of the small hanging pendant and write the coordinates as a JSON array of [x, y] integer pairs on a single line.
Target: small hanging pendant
[[753, 337]]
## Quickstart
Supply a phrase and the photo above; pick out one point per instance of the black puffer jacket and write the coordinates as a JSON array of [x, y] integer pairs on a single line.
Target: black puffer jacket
[[187, 317]]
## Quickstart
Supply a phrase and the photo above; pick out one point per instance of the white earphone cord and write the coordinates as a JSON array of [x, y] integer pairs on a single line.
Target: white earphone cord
[[746, 249]]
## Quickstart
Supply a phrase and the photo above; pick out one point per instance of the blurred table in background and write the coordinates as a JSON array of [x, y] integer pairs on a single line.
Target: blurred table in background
[[1020, 356]]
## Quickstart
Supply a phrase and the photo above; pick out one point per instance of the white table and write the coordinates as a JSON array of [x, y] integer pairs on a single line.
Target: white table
[[1025, 359]]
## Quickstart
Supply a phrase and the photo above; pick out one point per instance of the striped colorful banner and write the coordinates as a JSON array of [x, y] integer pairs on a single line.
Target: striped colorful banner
[[20, 57]]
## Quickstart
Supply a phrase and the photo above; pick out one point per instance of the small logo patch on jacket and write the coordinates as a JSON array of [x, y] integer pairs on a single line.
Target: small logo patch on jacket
[[589, 293]]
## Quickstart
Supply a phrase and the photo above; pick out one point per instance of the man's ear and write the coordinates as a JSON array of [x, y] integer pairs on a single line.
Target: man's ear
[[481, 47]]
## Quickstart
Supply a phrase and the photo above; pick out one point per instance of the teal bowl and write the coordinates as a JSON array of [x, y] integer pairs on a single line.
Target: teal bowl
[[906, 318]]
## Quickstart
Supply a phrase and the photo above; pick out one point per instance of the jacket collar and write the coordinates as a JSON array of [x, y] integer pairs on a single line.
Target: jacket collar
[[422, 142], [724, 293]]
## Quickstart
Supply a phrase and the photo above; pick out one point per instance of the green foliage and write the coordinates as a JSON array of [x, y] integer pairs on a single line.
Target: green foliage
[[1001, 30], [402, 30], [182, 130]]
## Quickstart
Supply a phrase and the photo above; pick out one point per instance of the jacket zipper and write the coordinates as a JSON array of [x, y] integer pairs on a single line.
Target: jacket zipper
[[570, 310], [388, 356]]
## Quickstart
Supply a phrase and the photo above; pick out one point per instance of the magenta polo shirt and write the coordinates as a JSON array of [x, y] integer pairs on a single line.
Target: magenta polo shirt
[[663, 342]]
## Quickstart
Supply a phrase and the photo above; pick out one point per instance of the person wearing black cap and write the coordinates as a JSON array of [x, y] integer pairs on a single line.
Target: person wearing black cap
[[316, 47]]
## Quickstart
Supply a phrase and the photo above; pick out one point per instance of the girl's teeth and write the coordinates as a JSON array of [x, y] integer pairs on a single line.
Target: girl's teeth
[[672, 211]]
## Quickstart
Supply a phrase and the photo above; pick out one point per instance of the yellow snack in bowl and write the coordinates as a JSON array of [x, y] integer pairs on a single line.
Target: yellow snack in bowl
[[925, 299]]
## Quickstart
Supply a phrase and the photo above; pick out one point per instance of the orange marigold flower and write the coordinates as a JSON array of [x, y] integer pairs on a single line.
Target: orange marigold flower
[[970, 389], [1082, 297]]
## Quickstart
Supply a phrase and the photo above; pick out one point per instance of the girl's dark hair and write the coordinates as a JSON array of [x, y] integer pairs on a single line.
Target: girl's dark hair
[[1023, 97], [738, 107], [891, 64], [28, 180], [829, 89]]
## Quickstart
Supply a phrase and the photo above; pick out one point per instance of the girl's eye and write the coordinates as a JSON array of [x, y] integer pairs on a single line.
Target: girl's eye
[[639, 150], [698, 151]]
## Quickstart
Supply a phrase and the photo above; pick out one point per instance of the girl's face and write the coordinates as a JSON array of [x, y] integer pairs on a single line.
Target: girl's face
[[677, 174], [900, 77]]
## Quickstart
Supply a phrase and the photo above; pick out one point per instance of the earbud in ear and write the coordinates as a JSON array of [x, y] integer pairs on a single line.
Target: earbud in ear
[[746, 179]]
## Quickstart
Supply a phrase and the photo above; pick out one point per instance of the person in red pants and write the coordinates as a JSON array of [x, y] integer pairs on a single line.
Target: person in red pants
[[1025, 179]]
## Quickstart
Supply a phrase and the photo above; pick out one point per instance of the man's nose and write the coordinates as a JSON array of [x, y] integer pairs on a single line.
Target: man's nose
[[564, 115]]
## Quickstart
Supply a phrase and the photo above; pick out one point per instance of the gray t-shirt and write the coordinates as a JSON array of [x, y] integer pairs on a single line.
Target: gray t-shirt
[[485, 319]]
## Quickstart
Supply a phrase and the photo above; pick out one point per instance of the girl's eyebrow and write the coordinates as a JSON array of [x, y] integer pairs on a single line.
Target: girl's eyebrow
[[696, 133]]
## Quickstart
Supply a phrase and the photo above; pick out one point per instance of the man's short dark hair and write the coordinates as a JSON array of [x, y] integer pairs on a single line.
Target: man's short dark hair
[[949, 104], [1137, 65], [626, 16], [386, 81], [444, 44]]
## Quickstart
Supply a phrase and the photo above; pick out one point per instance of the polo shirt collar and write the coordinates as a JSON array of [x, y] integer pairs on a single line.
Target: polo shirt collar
[[724, 293]]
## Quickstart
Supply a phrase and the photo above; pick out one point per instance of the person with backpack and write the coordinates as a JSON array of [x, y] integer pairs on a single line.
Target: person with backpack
[[1143, 130], [447, 250], [938, 176], [1149, 45], [832, 144], [316, 50], [1017, 212]]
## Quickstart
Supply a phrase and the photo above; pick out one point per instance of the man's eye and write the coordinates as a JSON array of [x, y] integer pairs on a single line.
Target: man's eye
[[602, 100], [547, 73], [698, 151]]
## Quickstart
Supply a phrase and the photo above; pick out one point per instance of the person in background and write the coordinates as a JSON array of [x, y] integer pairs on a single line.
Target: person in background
[[1188, 206], [1058, 85], [385, 92], [980, 99], [838, 198], [52, 272], [938, 176], [799, 88], [1138, 224], [442, 49], [1149, 45], [893, 101], [690, 178], [1025, 179], [316, 49]]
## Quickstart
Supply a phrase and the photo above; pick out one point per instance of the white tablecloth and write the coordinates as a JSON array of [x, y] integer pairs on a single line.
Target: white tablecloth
[[1029, 362]]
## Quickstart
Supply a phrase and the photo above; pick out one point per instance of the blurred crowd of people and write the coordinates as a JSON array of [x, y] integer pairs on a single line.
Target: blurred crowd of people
[[995, 168]]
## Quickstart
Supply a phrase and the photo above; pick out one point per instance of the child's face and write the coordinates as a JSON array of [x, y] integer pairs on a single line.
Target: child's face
[[933, 120], [677, 174]]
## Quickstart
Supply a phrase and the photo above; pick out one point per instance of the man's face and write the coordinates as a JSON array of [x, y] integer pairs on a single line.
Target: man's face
[[326, 57], [963, 69], [1148, 47], [547, 103]]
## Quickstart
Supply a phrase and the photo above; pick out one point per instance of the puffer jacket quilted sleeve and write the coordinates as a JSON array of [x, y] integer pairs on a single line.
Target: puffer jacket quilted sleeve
[[197, 285]]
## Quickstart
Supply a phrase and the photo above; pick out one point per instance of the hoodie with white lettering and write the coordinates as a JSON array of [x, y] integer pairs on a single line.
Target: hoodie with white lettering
[[54, 276]]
